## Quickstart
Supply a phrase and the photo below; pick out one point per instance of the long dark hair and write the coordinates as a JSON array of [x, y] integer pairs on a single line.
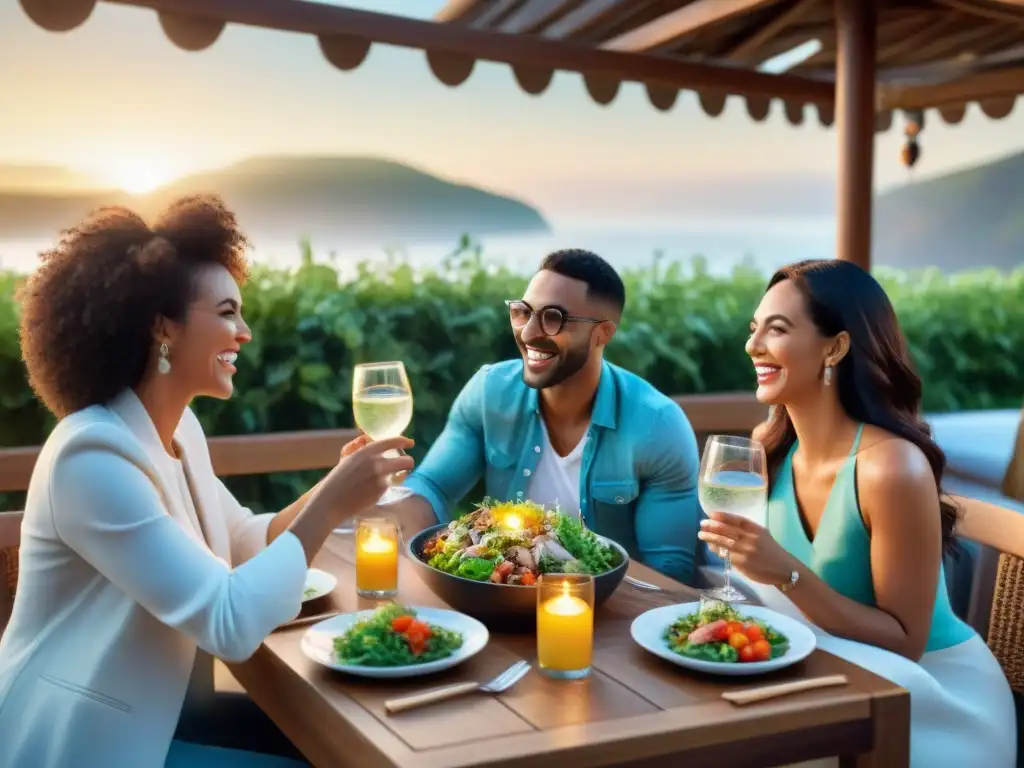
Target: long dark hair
[[876, 379]]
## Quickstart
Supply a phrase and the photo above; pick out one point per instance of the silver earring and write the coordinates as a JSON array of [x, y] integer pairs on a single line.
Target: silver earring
[[163, 364], [828, 375]]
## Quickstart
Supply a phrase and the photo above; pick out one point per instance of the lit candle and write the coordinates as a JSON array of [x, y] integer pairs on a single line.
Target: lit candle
[[376, 558], [565, 625], [514, 522]]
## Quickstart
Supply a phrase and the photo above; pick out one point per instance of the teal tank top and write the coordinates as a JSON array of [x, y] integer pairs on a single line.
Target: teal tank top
[[840, 554]]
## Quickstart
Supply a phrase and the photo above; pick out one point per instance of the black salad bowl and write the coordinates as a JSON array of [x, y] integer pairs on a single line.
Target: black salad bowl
[[502, 607]]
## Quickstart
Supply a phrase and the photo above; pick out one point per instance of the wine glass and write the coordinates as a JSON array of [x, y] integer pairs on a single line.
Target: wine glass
[[733, 479], [382, 405]]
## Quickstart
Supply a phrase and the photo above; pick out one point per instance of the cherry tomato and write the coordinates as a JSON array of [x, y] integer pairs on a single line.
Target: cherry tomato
[[761, 649], [401, 623], [747, 653], [737, 640], [419, 628], [721, 633], [735, 627], [754, 632], [417, 645], [528, 579]]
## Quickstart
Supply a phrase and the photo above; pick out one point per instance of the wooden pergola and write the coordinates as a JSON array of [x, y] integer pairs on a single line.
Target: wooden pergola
[[876, 57]]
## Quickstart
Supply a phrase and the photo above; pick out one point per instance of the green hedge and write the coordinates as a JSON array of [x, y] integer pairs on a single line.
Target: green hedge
[[684, 331]]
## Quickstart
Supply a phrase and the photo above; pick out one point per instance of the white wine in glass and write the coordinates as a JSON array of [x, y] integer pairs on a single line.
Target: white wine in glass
[[733, 479], [382, 406]]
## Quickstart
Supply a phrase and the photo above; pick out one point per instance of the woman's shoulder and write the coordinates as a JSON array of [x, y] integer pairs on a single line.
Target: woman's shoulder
[[885, 454], [893, 472], [95, 427]]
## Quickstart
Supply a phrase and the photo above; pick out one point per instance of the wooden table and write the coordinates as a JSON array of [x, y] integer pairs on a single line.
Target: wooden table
[[634, 710]]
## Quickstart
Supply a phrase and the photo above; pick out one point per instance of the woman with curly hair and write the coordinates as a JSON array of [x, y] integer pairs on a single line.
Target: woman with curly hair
[[133, 553], [857, 522]]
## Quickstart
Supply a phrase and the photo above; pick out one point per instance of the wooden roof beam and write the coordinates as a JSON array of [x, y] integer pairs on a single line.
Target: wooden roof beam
[[459, 10], [327, 21], [588, 14], [1014, 13], [954, 43], [535, 14], [746, 48], [496, 13], [691, 18], [1000, 83]]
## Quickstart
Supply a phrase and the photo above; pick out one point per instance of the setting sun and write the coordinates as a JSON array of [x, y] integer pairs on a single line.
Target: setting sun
[[139, 177]]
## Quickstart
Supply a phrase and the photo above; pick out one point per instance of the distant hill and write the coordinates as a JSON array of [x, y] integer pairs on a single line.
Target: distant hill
[[42, 178], [336, 198], [963, 220]]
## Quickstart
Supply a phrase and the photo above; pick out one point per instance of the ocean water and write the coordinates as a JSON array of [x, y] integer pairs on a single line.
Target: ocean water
[[763, 243]]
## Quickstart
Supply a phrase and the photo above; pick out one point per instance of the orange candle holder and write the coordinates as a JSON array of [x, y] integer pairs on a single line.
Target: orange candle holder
[[565, 625], [376, 542]]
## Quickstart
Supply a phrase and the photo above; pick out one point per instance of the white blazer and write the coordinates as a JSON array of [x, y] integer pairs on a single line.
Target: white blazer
[[119, 583]]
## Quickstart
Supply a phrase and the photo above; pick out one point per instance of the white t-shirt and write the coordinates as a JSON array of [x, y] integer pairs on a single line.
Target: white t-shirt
[[556, 480]]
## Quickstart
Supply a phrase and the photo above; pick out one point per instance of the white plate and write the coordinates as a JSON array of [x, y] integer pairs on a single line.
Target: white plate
[[318, 584], [318, 642], [648, 631]]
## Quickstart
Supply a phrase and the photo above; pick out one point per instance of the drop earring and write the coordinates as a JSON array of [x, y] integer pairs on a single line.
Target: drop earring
[[828, 375], [163, 364]]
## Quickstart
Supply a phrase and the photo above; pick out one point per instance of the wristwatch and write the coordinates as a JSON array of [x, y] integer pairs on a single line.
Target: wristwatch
[[785, 586]]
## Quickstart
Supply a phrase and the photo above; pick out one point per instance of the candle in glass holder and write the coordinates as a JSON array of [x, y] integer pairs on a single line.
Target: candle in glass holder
[[376, 558], [565, 625]]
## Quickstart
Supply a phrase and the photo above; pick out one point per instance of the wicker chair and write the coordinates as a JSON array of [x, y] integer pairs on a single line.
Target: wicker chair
[[1006, 624]]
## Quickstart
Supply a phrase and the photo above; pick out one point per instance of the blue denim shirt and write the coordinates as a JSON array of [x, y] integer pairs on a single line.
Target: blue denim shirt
[[638, 482]]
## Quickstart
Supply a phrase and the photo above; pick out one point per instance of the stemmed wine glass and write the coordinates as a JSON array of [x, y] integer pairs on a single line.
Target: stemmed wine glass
[[733, 479], [382, 405]]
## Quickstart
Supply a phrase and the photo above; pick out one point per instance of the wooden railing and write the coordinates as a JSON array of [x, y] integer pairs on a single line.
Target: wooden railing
[[724, 413]]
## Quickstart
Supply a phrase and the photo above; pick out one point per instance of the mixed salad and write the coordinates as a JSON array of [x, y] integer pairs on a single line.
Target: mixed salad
[[515, 542], [394, 637], [719, 633]]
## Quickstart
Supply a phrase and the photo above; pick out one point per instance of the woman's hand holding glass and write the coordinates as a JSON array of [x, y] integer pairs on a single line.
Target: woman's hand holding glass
[[364, 473], [382, 406], [752, 549]]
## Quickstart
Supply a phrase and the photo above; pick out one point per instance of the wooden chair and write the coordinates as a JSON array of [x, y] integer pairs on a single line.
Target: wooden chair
[[1013, 482], [10, 538]]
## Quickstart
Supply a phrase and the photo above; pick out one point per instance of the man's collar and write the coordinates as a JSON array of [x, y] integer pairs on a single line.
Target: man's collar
[[604, 413]]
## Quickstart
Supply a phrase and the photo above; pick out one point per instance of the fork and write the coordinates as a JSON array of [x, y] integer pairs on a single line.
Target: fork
[[499, 684], [644, 585]]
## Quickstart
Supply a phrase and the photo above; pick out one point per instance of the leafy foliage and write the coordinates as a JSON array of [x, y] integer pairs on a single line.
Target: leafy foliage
[[684, 331]]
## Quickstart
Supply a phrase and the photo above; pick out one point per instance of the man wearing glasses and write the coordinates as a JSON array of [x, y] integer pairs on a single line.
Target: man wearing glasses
[[562, 426]]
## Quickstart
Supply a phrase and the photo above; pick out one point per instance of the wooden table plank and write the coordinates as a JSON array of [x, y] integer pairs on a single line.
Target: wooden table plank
[[635, 709]]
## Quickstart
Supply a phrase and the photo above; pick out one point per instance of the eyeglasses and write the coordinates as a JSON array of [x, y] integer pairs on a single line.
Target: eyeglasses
[[552, 319]]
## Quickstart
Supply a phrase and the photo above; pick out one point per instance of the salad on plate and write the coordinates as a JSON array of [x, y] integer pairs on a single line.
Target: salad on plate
[[514, 542], [393, 636], [720, 634]]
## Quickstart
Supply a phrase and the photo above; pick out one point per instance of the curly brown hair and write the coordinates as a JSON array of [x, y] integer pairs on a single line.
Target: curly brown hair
[[89, 310]]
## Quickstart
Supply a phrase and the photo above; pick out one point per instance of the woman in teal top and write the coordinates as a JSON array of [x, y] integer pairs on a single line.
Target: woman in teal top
[[856, 522]]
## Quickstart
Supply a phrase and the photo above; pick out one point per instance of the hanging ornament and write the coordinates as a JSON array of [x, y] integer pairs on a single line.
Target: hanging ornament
[[911, 151]]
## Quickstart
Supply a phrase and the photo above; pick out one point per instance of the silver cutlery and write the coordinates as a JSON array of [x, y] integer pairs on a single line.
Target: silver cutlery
[[499, 684], [644, 585]]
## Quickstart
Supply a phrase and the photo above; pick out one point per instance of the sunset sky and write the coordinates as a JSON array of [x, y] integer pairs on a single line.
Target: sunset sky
[[116, 99]]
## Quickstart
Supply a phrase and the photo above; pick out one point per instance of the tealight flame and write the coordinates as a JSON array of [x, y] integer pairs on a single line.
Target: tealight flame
[[377, 543], [513, 522]]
